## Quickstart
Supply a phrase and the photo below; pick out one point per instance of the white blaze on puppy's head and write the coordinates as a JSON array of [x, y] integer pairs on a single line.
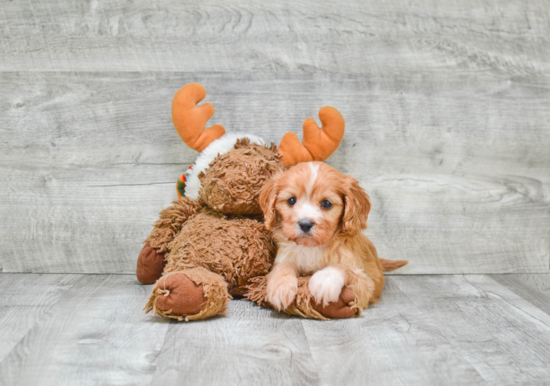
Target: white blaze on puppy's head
[[314, 170]]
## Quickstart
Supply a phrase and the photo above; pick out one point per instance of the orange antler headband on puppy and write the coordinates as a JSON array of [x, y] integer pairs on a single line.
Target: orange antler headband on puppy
[[319, 143]]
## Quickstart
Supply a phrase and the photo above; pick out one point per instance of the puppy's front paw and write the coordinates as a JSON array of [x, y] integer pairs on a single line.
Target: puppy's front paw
[[281, 291], [325, 285]]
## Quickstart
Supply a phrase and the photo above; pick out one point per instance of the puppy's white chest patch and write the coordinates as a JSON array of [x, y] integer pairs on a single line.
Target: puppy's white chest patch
[[309, 259]]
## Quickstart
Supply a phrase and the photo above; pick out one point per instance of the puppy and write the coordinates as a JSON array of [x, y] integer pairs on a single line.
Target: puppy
[[317, 214]]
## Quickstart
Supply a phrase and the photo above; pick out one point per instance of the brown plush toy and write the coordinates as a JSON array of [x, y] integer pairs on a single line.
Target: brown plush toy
[[211, 242]]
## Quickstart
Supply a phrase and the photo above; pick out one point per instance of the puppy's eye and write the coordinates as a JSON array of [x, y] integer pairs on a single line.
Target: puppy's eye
[[326, 204], [291, 201]]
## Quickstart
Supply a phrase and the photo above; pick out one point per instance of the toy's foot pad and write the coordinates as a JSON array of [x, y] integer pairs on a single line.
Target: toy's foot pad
[[150, 265], [190, 294], [180, 295], [338, 309]]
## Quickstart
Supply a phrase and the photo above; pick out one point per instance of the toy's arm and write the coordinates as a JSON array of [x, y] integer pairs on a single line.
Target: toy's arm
[[151, 260], [170, 222], [304, 305]]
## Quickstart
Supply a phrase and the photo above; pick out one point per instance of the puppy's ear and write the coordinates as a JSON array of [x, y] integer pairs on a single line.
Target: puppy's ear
[[267, 199], [356, 207]]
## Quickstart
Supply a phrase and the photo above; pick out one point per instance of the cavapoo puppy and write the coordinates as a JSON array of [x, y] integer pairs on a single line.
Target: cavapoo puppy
[[317, 214]]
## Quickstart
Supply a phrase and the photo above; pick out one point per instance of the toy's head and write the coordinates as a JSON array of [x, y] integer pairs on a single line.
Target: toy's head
[[232, 168]]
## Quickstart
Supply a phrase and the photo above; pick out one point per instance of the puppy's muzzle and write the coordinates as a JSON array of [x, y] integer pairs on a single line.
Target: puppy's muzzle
[[305, 225]]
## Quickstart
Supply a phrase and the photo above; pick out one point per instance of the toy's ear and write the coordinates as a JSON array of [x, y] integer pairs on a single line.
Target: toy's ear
[[356, 207], [267, 200], [318, 143], [190, 120]]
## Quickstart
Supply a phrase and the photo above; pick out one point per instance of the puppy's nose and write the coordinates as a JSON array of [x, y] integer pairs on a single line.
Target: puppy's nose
[[305, 225]]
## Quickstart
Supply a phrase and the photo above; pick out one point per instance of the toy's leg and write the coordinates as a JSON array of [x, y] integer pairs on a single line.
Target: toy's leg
[[189, 294], [170, 222], [304, 304]]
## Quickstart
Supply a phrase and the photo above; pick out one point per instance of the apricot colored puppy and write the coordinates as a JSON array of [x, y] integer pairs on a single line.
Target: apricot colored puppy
[[317, 215]]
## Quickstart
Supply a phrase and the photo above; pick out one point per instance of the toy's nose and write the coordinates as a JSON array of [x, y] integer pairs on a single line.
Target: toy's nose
[[305, 225]]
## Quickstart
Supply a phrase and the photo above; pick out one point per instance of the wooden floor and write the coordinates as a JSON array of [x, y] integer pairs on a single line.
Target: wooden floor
[[62, 329]]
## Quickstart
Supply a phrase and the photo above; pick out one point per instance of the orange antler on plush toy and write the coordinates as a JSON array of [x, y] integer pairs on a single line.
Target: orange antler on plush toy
[[190, 120], [318, 144]]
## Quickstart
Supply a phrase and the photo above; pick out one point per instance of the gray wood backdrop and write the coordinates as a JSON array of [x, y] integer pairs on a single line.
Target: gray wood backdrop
[[447, 105]]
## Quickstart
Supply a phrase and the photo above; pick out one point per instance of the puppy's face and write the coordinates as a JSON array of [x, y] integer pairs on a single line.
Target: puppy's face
[[313, 202]]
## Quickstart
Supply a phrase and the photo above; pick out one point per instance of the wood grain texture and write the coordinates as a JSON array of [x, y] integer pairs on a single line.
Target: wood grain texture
[[456, 163], [251, 345], [492, 288], [533, 288], [504, 337], [393, 343], [96, 334], [25, 299], [306, 36], [446, 107], [426, 330]]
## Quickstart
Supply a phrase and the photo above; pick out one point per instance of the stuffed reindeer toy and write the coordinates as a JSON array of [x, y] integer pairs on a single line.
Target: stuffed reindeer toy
[[211, 242]]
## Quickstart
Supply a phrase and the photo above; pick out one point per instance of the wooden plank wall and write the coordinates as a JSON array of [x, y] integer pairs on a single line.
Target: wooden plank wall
[[447, 107]]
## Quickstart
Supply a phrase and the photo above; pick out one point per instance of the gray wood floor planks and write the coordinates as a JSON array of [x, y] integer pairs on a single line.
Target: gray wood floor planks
[[24, 299], [96, 333], [492, 288], [251, 346], [426, 330], [394, 342], [533, 288], [500, 340]]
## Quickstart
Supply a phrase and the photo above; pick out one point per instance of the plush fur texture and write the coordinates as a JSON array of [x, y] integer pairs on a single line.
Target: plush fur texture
[[211, 247], [304, 304], [331, 248], [170, 222], [209, 154], [234, 247], [232, 182]]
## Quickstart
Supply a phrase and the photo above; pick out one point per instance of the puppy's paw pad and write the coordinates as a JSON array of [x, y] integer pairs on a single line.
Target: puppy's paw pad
[[325, 285]]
